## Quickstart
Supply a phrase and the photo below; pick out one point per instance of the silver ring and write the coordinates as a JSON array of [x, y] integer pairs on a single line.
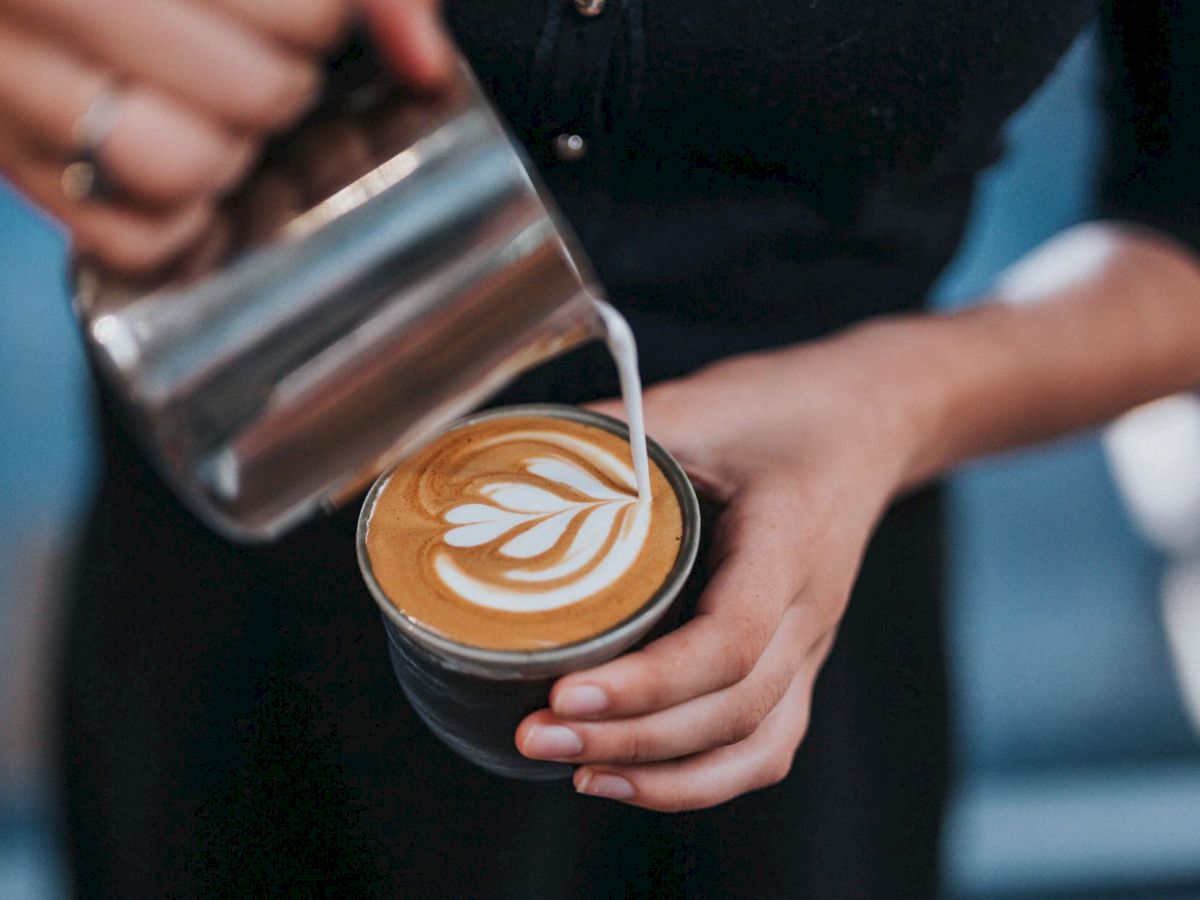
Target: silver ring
[[84, 178]]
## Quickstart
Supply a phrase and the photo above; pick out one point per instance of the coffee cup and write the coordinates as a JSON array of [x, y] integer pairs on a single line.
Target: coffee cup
[[472, 695]]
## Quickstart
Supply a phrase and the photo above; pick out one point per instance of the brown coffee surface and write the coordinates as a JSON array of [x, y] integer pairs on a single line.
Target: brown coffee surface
[[522, 533]]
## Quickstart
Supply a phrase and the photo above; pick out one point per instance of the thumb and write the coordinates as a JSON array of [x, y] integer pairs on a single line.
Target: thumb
[[613, 406], [675, 413], [670, 409], [413, 39], [668, 420]]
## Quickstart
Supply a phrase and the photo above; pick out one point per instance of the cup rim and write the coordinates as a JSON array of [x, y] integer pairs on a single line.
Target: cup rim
[[496, 663]]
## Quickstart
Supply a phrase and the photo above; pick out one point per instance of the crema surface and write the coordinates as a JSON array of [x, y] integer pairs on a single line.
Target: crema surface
[[522, 533]]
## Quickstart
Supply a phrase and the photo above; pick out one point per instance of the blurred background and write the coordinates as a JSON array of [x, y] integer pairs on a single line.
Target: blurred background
[[1075, 598]]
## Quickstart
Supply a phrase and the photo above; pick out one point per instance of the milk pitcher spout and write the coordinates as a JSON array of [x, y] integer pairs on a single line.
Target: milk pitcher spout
[[338, 314]]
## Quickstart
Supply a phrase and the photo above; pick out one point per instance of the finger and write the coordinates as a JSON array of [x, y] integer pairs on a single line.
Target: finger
[[123, 238], [756, 578], [188, 50], [414, 40], [166, 154], [157, 151], [714, 720], [307, 24], [715, 776], [670, 412], [613, 406]]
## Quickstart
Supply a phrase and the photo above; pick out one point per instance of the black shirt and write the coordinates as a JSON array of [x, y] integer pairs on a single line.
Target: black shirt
[[782, 166], [757, 172], [763, 172]]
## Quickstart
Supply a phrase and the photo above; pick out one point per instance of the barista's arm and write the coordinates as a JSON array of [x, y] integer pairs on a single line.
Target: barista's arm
[[1103, 319], [807, 447]]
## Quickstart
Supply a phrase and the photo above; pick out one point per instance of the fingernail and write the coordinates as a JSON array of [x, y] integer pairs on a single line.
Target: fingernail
[[580, 700], [601, 784], [551, 742]]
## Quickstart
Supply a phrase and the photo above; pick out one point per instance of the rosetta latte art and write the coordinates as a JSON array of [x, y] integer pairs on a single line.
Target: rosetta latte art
[[521, 532], [568, 535]]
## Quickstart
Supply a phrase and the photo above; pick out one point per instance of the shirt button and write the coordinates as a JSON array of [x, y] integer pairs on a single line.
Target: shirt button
[[589, 8], [570, 147]]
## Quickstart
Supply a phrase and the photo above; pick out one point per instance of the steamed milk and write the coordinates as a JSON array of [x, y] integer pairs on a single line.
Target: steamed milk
[[526, 532], [623, 349]]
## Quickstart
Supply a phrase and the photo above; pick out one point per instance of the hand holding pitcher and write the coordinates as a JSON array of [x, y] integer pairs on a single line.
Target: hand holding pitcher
[[128, 122]]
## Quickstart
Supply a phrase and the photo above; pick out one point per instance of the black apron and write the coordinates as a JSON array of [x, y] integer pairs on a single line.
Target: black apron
[[756, 174]]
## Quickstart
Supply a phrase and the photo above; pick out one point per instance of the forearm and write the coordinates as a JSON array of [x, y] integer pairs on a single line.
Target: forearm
[[1122, 330]]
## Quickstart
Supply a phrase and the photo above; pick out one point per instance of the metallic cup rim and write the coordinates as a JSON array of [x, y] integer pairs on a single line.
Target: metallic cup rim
[[532, 664]]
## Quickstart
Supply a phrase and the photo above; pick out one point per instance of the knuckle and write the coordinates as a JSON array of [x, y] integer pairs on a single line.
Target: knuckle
[[240, 155], [206, 166], [740, 726], [647, 678], [281, 93], [777, 770], [202, 152], [742, 652], [751, 709], [821, 610], [676, 801], [802, 724], [322, 22], [756, 630], [172, 182], [638, 747]]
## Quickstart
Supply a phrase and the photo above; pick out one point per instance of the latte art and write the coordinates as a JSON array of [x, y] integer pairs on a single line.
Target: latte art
[[609, 529], [522, 532]]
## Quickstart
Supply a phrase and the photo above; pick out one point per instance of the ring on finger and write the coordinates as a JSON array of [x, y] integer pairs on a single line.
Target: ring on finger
[[85, 177]]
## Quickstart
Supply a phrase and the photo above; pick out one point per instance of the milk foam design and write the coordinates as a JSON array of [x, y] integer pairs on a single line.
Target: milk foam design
[[533, 521]]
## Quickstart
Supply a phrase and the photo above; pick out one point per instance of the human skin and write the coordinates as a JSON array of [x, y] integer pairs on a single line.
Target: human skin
[[804, 469], [804, 447], [201, 85]]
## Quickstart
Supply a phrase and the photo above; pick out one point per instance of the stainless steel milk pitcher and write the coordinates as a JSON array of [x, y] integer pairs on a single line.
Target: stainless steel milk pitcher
[[343, 308]]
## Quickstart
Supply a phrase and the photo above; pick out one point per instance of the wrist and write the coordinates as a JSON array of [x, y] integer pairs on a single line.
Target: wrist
[[913, 383], [1075, 346]]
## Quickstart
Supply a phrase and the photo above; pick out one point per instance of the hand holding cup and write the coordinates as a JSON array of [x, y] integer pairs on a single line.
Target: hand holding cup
[[718, 707]]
